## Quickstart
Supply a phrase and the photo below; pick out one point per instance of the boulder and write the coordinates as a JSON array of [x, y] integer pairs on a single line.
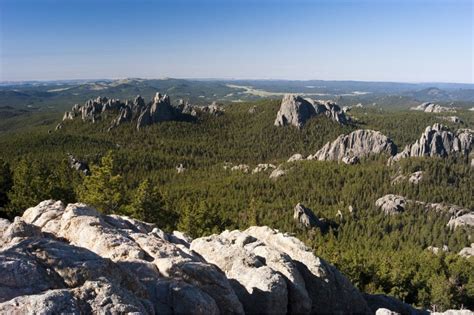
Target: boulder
[[358, 144], [416, 177], [391, 204], [263, 168], [241, 167], [306, 218], [278, 172], [78, 165], [180, 168], [467, 251], [465, 220]]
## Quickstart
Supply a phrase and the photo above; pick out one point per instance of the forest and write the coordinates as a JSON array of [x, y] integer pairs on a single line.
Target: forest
[[134, 173]]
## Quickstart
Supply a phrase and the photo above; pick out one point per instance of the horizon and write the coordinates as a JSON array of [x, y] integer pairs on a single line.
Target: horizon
[[85, 80], [369, 41]]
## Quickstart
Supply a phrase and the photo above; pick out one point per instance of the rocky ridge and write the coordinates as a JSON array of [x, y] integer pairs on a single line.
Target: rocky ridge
[[144, 114], [72, 259]]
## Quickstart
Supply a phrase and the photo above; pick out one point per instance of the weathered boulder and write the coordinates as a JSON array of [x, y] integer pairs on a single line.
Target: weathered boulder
[[437, 140], [391, 204], [296, 110], [358, 144]]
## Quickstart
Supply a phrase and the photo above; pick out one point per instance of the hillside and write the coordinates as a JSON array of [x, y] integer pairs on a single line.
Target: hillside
[[137, 176]]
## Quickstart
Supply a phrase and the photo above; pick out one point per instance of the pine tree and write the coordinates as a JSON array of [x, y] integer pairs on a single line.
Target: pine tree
[[103, 189], [147, 205], [30, 186], [6, 182]]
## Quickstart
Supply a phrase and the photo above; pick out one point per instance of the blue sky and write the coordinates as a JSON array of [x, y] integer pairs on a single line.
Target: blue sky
[[412, 41]]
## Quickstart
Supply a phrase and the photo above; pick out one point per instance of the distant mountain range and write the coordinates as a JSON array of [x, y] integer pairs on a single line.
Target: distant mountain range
[[63, 94]]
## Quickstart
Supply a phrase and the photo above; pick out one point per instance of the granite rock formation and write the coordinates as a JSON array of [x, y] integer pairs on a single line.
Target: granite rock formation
[[73, 259], [158, 110], [296, 110], [432, 108], [438, 141], [358, 144]]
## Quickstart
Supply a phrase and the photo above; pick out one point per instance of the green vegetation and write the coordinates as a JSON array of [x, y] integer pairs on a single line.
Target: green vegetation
[[134, 173]]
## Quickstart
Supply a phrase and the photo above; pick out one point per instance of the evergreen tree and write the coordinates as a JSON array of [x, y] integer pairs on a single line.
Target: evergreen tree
[[147, 205], [30, 186], [103, 189], [6, 182]]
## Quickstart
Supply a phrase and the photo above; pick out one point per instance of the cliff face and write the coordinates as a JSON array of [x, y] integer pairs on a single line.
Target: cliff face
[[72, 259]]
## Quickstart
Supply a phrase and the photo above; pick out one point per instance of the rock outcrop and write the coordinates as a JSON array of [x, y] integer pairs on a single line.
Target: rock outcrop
[[63, 259], [158, 111], [78, 165], [391, 204], [277, 173], [438, 141], [274, 273], [263, 167], [394, 204], [358, 144], [296, 110], [306, 218], [453, 119], [432, 108], [57, 259], [465, 220]]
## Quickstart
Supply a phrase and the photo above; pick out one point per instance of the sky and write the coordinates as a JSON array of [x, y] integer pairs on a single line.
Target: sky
[[369, 40]]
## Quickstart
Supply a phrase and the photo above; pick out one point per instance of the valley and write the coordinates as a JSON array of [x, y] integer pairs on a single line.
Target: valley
[[226, 167]]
